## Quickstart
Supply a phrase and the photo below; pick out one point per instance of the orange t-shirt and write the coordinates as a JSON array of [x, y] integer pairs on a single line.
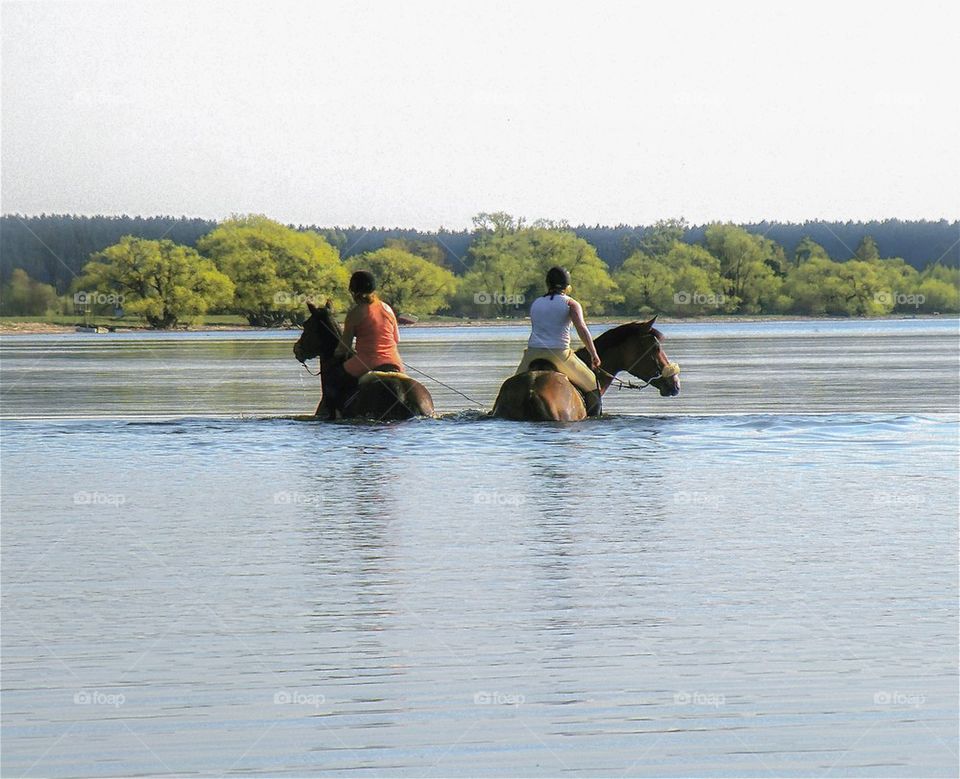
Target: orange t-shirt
[[377, 337]]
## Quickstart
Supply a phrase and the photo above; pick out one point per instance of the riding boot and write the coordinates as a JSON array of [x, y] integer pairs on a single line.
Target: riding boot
[[592, 401]]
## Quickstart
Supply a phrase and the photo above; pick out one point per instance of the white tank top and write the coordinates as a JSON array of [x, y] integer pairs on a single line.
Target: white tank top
[[550, 323]]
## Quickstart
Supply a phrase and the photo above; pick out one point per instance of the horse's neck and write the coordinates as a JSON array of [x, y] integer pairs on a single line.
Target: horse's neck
[[611, 363]]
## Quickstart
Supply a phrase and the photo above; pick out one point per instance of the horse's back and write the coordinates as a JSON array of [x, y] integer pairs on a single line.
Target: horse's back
[[389, 395], [539, 396]]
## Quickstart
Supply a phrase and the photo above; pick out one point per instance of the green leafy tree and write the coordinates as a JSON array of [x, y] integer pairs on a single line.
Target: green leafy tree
[[940, 287], [683, 279], [498, 222], [589, 276], [865, 288], [699, 286], [937, 295], [751, 266], [431, 251], [867, 250], [815, 288], [808, 249], [899, 281], [276, 269], [161, 281], [509, 261], [853, 288], [646, 283], [502, 266], [501, 274], [662, 235], [410, 284], [23, 296]]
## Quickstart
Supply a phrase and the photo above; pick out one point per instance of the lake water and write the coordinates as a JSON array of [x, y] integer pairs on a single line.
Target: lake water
[[759, 577]]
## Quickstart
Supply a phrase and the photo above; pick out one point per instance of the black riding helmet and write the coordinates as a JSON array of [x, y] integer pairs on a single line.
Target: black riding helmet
[[558, 278], [362, 282]]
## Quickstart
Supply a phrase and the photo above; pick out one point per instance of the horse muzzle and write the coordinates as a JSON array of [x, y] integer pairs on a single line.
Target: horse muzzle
[[668, 382]]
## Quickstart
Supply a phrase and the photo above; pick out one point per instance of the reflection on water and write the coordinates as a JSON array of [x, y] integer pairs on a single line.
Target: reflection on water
[[748, 583]]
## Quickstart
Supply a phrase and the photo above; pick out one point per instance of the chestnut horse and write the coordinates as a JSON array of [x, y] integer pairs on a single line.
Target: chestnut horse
[[545, 394], [380, 395]]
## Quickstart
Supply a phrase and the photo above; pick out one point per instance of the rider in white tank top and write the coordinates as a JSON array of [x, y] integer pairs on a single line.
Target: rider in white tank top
[[550, 322]]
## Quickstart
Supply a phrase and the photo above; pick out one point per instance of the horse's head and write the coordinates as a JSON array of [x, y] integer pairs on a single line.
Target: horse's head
[[321, 334], [639, 353]]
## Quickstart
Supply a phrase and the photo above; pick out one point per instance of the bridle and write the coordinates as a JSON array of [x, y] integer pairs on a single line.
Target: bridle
[[670, 370], [303, 362], [307, 369]]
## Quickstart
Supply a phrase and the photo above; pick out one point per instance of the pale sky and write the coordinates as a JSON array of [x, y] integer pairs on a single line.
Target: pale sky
[[421, 114]]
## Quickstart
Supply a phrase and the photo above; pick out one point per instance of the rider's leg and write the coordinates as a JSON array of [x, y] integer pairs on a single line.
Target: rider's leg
[[592, 401], [583, 378], [332, 384]]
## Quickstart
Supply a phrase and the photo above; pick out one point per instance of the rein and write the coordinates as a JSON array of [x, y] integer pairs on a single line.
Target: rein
[[307, 369], [670, 370]]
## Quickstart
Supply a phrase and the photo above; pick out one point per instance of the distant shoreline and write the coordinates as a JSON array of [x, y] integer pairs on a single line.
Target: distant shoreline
[[47, 328]]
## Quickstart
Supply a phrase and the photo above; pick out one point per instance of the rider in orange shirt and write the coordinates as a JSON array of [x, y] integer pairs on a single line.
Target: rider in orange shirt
[[374, 326]]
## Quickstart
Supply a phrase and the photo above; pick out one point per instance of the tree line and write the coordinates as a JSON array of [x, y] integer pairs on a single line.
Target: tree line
[[266, 271], [53, 248]]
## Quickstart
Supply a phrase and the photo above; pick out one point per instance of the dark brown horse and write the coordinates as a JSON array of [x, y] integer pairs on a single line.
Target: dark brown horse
[[547, 395], [380, 395]]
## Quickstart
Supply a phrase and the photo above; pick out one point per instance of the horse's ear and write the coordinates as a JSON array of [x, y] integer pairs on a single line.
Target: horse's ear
[[313, 308], [649, 323], [328, 305]]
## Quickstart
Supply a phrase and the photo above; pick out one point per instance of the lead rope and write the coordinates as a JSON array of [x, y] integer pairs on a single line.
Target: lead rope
[[452, 389], [422, 373]]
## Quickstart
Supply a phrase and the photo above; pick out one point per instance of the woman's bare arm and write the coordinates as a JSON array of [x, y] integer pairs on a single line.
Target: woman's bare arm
[[576, 315]]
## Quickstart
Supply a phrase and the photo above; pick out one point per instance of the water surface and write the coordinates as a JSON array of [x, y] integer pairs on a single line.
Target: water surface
[[756, 578]]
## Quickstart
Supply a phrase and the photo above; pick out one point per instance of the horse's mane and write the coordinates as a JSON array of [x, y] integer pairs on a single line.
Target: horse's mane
[[324, 324], [621, 333], [322, 318]]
